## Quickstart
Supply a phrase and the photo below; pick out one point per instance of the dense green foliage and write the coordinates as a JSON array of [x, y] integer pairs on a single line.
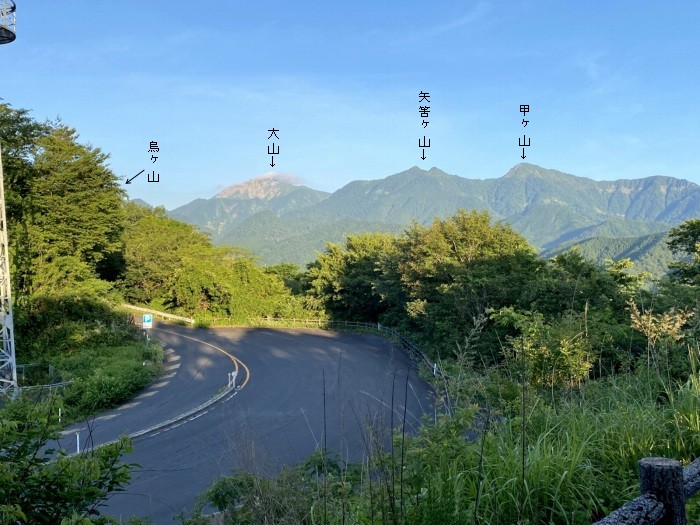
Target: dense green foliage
[[63, 205], [38, 486], [441, 284], [65, 219], [345, 281], [66, 222], [169, 264]]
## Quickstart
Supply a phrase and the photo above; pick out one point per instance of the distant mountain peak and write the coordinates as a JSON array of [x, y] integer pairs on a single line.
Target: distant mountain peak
[[141, 202], [265, 187], [525, 169]]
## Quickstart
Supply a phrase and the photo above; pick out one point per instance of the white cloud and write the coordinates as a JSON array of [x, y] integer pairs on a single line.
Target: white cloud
[[283, 177]]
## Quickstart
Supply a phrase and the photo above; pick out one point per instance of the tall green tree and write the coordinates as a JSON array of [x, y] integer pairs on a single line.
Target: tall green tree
[[62, 199], [77, 201], [684, 240], [682, 289], [451, 272], [154, 249], [19, 136], [345, 279]]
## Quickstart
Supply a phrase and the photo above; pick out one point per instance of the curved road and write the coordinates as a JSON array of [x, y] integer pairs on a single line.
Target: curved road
[[194, 372], [276, 418]]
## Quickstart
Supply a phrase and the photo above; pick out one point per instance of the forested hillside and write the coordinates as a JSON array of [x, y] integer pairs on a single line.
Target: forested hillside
[[650, 253]]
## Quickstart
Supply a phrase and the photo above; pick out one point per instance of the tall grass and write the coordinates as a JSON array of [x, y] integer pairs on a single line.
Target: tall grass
[[581, 450]]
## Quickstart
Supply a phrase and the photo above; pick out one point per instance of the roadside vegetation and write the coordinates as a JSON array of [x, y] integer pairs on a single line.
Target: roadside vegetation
[[559, 374]]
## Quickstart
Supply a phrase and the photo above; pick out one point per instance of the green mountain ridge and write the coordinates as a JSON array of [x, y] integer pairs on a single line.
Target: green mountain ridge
[[549, 207], [268, 236], [650, 253]]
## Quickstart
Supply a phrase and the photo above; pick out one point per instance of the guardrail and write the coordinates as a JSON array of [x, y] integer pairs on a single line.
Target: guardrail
[[666, 487], [377, 327], [158, 314]]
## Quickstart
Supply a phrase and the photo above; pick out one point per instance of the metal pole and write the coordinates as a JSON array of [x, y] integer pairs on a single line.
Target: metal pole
[[77, 441], [8, 363]]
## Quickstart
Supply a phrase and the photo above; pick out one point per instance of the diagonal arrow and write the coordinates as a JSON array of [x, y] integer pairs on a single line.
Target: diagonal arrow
[[128, 181]]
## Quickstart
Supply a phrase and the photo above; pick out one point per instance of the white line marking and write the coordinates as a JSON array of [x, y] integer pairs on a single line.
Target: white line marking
[[109, 416], [147, 394]]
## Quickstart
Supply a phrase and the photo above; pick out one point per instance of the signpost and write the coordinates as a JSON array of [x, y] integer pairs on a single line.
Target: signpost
[[146, 323]]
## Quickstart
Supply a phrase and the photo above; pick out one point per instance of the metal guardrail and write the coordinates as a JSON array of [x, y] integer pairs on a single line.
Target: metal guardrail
[[38, 392], [376, 327], [49, 386], [158, 314]]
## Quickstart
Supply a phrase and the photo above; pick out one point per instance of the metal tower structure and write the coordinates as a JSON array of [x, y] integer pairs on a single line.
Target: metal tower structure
[[7, 21], [8, 363]]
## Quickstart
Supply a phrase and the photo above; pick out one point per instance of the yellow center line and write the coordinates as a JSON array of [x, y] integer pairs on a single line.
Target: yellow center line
[[236, 361]]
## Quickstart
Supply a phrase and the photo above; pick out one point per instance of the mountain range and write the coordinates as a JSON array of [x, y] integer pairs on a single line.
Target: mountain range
[[283, 222]]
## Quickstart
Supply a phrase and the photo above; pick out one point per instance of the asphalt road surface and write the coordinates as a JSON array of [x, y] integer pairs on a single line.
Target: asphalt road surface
[[193, 373], [276, 418]]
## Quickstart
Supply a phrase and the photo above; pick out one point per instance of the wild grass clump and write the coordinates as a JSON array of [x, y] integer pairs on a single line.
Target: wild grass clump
[[90, 343], [106, 376]]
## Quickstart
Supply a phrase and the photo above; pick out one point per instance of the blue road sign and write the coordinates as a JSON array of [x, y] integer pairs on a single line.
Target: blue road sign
[[147, 320]]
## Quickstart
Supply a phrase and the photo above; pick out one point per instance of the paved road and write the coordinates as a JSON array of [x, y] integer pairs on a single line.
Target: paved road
[[277, 418], [194, 372]]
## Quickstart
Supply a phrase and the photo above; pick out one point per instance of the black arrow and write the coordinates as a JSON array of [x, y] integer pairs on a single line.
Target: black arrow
[[523, 155], [128, 181], [272, 162], [423, 157]]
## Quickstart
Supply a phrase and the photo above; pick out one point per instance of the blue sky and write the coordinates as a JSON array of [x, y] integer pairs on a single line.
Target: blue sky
[[612, 87]]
